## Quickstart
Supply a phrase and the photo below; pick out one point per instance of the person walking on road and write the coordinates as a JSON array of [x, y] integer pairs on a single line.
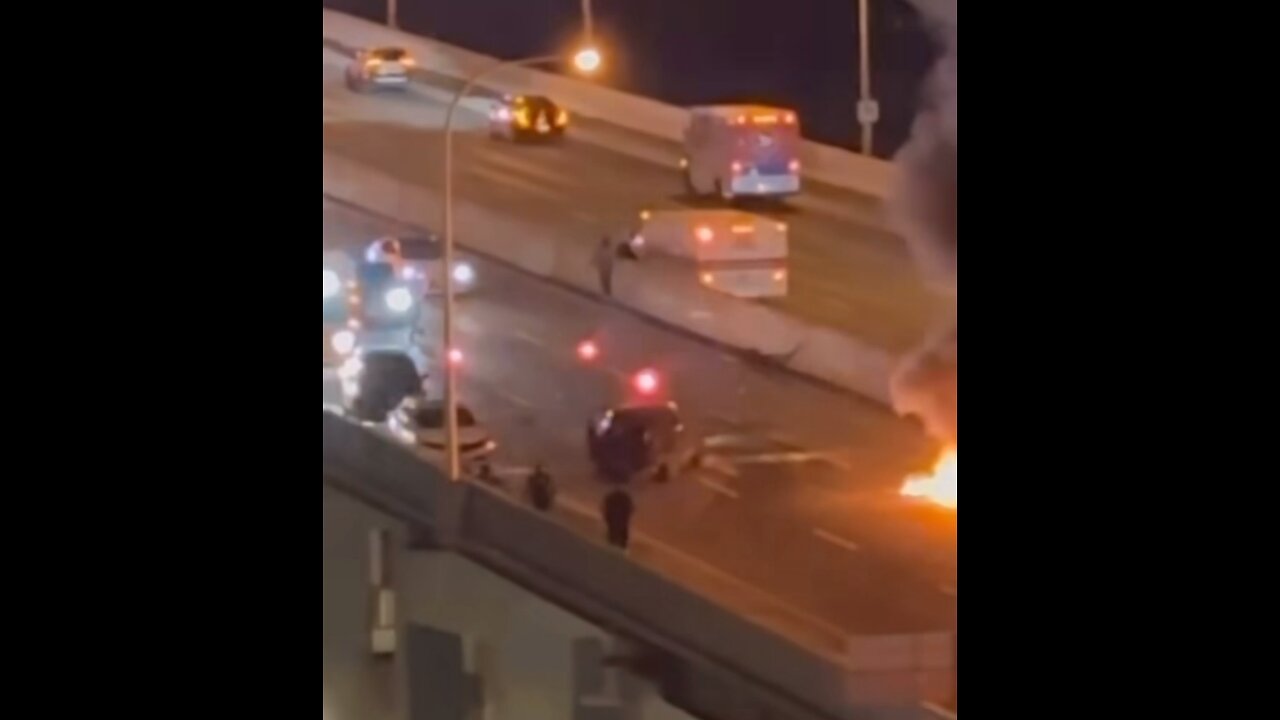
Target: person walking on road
[[603, 262], [540, 488], [618, 509]]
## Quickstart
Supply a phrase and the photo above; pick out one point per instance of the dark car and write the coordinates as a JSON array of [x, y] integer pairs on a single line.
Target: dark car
[[527, 117], [374, 382], [640, 441]]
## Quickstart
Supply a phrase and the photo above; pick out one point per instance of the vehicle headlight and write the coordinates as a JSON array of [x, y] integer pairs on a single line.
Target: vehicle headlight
[[332, 283], [343, 342], [399, 300], [463, 274], [350, 369]]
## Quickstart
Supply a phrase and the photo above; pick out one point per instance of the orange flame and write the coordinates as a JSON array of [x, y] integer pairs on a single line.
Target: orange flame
[[938, 486]]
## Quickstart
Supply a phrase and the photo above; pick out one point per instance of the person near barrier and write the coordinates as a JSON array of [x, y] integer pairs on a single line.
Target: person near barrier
[[603, 262], [618, 509], [540, 488]]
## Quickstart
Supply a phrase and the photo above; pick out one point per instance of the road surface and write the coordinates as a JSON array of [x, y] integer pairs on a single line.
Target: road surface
[[801, 503], [847, 271]]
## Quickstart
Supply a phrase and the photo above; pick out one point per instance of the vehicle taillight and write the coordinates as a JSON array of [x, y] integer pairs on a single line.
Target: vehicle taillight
[[704, 234], [779, 275], [455, 357], [708, 279], [588, 350], [562, 118], [789, 118], [736, 167], [794, 166], [646, 382]]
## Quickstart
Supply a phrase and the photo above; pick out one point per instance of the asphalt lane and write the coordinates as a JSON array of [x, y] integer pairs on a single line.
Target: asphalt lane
[[801, 503], [847, 270]]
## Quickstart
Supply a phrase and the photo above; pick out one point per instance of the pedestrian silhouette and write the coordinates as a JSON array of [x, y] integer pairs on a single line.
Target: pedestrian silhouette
[[603, 262], [540, 488], [618, 509]]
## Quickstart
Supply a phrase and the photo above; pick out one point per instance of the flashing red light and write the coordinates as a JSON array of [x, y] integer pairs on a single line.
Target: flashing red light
[[588, 350], [455, 357], [646, 382]]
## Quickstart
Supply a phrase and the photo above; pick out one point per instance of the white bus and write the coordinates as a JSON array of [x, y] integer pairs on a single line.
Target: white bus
[[742, 150]]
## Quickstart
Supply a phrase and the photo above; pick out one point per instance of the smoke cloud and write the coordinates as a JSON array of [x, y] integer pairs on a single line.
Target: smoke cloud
[[923, 209]]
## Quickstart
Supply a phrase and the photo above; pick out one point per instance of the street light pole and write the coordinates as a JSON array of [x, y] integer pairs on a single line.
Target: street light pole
[[393, 22], [866, 114], [586, 22], [448, 346]]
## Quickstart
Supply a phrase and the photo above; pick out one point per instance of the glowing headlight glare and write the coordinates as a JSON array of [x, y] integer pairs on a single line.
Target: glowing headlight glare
[[463, 274], [399, 300], [343, 341], [332, 283]]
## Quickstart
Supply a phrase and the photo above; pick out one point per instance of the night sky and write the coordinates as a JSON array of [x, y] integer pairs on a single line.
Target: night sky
[[796, 53]]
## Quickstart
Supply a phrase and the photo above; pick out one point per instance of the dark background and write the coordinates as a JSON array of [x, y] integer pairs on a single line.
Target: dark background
[[796, 53]]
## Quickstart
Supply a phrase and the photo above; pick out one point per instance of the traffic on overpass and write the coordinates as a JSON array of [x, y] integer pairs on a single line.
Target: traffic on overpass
[[503, 305]]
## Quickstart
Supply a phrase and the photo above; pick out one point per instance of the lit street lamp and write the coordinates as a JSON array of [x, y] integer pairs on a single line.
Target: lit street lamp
[[587, 61]]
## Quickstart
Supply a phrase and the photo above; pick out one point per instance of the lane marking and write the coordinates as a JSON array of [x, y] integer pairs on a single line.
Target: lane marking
[[514, 399], [532, 339], [721, 465], [836, 540], [718, 487]]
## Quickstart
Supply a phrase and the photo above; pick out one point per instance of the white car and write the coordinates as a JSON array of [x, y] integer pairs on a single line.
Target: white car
[[420, 421], [380, 67], [418, 260]]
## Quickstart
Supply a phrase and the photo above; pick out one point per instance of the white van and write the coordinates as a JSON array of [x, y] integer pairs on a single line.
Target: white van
[[734, 252]]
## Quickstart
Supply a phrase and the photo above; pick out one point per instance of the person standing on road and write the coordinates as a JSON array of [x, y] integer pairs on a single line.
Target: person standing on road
[[618, 509], [603, 262], [540, 489]]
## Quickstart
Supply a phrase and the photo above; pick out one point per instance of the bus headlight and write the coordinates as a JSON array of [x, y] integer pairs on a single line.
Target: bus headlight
[[332, 284], [463, 274], [399, 300]]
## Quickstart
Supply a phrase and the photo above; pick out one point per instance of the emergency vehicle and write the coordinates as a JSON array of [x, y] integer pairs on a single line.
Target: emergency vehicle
[[735, 151], [738, 253], [419, 260], [366, 304], [527, 117]]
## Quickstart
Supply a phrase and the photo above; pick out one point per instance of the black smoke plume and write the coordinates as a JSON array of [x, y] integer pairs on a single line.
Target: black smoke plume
[[923, 208]]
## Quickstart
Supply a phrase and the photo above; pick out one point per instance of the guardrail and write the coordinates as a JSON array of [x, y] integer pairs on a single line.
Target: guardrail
[[823, 163], [750, 668]]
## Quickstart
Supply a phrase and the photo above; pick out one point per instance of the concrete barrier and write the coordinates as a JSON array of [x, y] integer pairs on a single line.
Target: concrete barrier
[[657, 287], [824, 163], [751, 669]]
